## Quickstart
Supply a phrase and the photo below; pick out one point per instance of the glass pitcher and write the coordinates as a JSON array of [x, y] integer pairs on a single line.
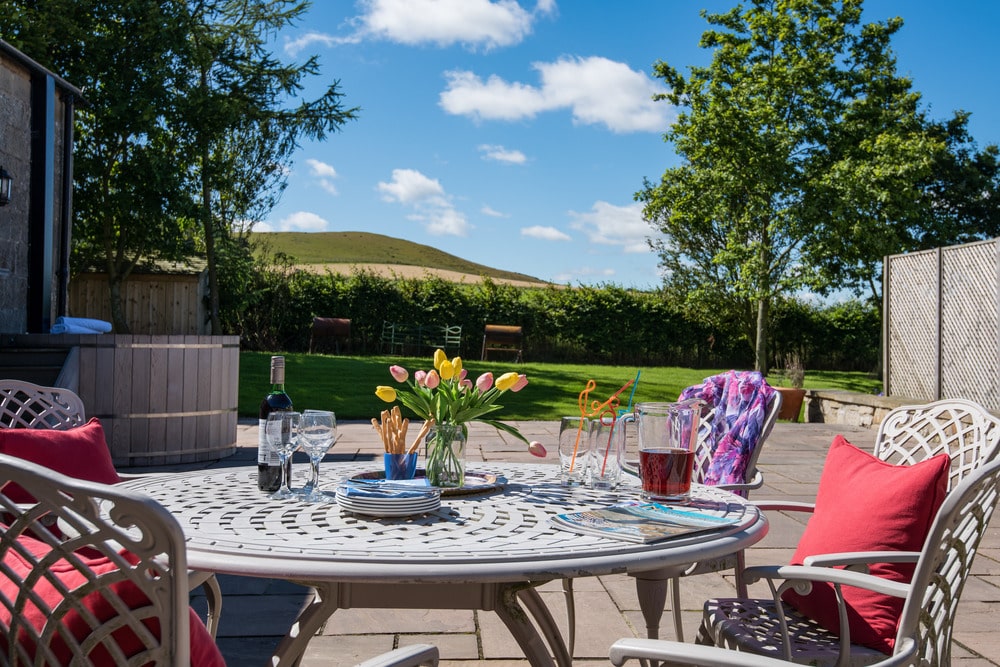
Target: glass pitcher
[[667, 435]]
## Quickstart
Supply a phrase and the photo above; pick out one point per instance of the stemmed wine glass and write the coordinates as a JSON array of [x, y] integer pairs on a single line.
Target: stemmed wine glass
[[318, 433], [282, 433]]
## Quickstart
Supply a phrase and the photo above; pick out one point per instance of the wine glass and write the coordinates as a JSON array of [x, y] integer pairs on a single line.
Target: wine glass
[[282, 432], [317, 433]]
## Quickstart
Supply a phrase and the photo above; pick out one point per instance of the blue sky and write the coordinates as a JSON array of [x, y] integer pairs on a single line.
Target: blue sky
[[515, 134]]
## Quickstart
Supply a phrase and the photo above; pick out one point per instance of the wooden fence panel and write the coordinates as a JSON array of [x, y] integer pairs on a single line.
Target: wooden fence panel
[[155, 304]]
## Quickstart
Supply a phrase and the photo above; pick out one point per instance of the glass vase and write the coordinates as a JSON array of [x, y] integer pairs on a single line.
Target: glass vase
[[445, 456]]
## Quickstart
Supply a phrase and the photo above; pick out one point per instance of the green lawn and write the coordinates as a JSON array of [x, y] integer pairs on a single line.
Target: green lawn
[[346, 385]]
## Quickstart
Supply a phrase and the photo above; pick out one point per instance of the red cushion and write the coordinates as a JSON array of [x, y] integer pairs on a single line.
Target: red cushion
[[204, 652], [79, 452], [865, 504]]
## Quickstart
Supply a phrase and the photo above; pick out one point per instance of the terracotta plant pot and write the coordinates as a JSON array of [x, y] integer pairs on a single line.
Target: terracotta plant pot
[[791, 403]]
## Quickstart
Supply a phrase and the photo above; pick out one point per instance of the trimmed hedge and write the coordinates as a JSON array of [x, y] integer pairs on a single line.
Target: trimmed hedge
[[271, 308]]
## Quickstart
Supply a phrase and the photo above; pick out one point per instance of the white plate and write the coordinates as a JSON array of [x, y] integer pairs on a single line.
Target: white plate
[[388, 501], [387, 510]]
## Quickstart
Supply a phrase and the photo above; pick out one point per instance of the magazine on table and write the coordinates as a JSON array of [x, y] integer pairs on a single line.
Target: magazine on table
[[645, 522]]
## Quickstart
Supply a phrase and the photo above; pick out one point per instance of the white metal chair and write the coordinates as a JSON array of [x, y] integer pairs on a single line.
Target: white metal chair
[[653, 587], [111, 587], [28, 405], [908, 434], [656, 585], [931, 598]]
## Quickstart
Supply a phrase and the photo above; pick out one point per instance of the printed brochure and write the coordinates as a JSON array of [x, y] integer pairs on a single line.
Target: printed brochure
[[645, 522]]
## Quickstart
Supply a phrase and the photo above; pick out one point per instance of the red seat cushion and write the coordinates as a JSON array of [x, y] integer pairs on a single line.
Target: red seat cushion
[[204, 652], [865, 504], [79, 452]]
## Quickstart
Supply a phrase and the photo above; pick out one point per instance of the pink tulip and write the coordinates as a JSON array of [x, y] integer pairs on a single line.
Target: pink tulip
[[432, 380], [537, 449], [420, 377], [466, 385], [522, 382], [484, 381], [398, 373]]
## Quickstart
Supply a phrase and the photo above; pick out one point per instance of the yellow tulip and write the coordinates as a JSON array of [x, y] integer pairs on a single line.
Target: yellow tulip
[[447, 370], [439, 358], [387, 394], [506, 381], [457, 363]]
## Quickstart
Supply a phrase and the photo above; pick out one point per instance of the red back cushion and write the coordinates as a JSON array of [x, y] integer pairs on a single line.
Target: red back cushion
[[79, 452], [204, 652], [865, 504]]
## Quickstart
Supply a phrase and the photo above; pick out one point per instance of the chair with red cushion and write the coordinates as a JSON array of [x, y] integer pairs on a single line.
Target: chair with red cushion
[[48, 425], [930, 597], [28, 405], [872, 513], [110, 589]]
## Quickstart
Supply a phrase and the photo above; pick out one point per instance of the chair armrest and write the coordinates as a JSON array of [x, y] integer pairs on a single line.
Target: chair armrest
[[859, 560], [783, 506], [801, 577], [406, 656], [712, 656], [755, 483]]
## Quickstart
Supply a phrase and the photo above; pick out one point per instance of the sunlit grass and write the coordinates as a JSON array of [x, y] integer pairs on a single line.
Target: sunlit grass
[[346, 385]]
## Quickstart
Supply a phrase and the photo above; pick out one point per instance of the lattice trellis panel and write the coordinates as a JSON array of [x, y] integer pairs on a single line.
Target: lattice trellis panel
[[969, 323], [912, 313], [942, 324]]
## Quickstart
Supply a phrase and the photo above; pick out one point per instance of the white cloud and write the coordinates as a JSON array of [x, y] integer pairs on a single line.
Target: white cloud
[[428, 201], [607, 224], [325, 173], [301, 221], [596, 90], [294, 47], [409, 186], [492, 212], [473, 23], [501, 154], [544, 233]]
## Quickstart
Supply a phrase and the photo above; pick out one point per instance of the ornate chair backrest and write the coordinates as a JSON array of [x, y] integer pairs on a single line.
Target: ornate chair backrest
[[945, 563], [28, 405], [706, 446], [964, 430], [118, 565]]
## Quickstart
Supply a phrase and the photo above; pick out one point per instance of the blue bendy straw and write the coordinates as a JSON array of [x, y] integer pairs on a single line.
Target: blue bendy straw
[[635, 383]]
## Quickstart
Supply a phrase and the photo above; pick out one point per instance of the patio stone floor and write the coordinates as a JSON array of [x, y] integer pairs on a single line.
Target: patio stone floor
[[256, 612]]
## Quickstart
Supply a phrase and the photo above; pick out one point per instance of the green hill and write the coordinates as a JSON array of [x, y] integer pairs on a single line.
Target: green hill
[[360, 248]]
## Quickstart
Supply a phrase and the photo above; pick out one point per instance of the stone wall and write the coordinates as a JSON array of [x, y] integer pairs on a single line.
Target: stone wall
[[827, 406]]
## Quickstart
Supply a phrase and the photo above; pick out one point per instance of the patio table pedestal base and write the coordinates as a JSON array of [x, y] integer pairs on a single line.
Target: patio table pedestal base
[[501, 598]]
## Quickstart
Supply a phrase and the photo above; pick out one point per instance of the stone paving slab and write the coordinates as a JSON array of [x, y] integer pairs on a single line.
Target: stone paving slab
[[256, 612]]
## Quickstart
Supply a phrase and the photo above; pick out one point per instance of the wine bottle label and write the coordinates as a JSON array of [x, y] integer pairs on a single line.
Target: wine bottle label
[[265, 455]]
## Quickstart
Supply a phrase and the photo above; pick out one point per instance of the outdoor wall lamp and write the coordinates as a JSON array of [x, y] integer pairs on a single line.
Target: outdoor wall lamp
[[6, 180]]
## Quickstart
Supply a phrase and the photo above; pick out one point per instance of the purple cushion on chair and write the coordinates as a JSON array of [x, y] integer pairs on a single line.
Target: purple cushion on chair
[[79, 452], [866, 504], [740, 399]]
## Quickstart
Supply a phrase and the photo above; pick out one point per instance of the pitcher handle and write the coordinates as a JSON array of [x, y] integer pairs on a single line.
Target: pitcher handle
[[626, 466]]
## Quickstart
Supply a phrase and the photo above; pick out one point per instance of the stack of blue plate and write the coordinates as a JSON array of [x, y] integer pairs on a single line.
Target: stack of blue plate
[[387, 498]]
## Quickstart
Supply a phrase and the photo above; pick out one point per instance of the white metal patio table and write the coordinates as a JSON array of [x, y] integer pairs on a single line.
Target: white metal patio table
[[483, 551]]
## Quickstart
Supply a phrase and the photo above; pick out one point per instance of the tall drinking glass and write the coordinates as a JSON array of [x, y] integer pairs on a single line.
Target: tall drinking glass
[[282, 432], [317, 435]]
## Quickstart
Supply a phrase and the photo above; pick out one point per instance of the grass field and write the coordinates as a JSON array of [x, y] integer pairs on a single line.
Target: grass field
[[346, 385]]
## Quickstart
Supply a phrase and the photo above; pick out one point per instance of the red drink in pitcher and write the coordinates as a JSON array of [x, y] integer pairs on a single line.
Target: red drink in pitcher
[[665, 473]]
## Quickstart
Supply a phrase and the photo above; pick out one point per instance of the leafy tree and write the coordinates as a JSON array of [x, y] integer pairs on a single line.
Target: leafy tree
[[798, 124], [239, 117], [127, 187], [190, 126]]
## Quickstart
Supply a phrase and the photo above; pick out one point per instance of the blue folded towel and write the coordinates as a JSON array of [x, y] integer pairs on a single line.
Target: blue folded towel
[[80, 325]]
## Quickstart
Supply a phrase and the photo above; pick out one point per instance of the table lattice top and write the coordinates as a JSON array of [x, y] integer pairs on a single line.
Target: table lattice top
[[503, 535]]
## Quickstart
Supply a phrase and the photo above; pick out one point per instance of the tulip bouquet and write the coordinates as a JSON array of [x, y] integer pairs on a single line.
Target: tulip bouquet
[[446, 395]]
